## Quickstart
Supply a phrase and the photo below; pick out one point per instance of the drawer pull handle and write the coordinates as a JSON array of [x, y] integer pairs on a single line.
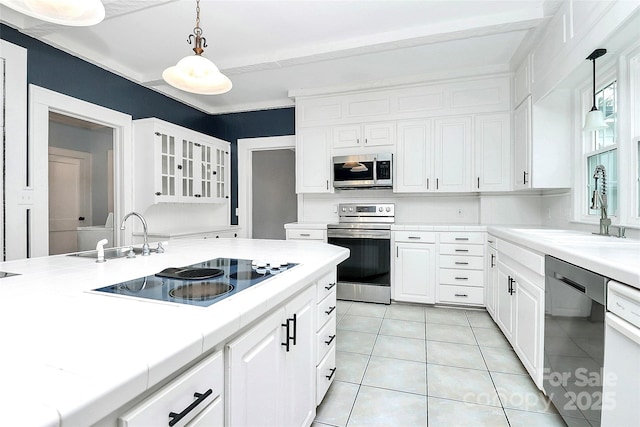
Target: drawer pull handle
[[331, 285], [305, 235], [462, 238], [333, 371], [461, 295], [331, 338], [175, 418], [330, 310], [462, 278], [491, 241], [415, 237], [462, 250], [461, 263]]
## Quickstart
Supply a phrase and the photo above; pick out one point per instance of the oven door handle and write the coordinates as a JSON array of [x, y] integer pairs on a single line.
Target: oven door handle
[[359, 234]]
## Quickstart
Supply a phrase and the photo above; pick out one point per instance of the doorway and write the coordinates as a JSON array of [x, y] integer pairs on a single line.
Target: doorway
[[80, 184], [266, 186]]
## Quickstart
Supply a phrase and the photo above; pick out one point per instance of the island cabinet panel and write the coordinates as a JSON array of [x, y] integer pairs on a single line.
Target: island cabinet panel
[[271, 368], [491, 271], [326, 333], [195, 398]]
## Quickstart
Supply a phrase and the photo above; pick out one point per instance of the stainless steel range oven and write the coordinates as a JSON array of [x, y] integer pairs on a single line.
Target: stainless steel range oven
[[365, 229]]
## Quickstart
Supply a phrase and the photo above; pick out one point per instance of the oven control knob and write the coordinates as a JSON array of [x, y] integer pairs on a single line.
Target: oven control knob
[[344, 209], [350, 209], [388, 209], [380, 209]]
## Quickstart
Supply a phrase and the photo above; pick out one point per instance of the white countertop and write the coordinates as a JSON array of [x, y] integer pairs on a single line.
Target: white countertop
[[71, 357], [186, 232], [306, 225], [436, 227], [617, 259]]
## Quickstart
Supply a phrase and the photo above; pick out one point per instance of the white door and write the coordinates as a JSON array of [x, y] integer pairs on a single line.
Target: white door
[[300, 375], [492, 152], [529, 314], [414, 160], [453, 154], [522, 146], [312, 159], [255, 380], [415, 273], [69, 198]]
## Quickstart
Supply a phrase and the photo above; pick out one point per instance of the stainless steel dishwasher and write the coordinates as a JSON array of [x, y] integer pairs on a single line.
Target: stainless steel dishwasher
[[575, 301]]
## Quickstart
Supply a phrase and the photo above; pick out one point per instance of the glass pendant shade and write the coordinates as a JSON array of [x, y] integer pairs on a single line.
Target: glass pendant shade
[[594, 120], [197, 74], [77, 13]]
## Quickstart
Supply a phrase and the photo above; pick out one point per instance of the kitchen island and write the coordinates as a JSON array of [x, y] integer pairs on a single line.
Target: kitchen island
[[76, 357]]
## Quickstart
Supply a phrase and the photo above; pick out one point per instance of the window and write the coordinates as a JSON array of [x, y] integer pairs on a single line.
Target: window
[[601, 148]]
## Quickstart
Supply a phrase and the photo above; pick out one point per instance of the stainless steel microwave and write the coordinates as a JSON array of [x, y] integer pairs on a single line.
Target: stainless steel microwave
[[363, 171]]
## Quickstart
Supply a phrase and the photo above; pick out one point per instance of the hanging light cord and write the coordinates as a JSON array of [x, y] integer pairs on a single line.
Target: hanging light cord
[[199, 41], [594, 84]]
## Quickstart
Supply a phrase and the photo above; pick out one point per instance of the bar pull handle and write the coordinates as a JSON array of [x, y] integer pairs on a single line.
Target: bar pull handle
[[464, 239], [287, 335], [331, 285], [461, 295], [493, 260], [437, 183], [478, 183], [427, 183], [524, 177], [331, 338], [295, 328], [461, 263], [461, 278], [200, 397], [333, 371], [462, 250], [414, 237], [305, 234]]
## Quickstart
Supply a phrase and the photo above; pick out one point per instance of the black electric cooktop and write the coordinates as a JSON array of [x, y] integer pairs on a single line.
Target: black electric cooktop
[[201, 284]]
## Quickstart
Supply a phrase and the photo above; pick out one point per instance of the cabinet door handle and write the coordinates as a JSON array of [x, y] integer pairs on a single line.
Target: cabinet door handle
[[305, 235], [365, 141], [427, 183], [330, 310], [437, 183], [327, 184], [462, 250], [175, 418], [478, 183], [331, 338], [461, 263], [333, 371], [493, 260], [331, 285], [461, 295], [415, 237], [286, 342], [524, 177], [461, 278], [465, 239]]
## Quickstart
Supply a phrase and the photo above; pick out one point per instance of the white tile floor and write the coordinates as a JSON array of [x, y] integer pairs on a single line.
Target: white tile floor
[[404, 365]]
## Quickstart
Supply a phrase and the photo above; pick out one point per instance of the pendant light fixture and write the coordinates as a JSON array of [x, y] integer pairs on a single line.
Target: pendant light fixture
[[595, 117], [196, 74], [76, 13]]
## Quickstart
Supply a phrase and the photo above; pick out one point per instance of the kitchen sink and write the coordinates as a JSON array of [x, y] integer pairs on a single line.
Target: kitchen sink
[[109, 253]]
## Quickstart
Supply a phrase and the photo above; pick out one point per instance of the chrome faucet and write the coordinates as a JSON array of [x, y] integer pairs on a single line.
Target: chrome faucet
[[145, 246], [599, 199]]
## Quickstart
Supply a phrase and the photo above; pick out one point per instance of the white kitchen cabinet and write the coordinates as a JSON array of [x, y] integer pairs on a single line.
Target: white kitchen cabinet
[[491, 271], [461, 274], [326, 334], [522, 146], [271, 368], [452, 149], [306, 234], [414, 276], [414, 157], [542, 142], [313, 161], [194, 398], [492, 152], [187, 166], [522, 81], [520, 304], [377, 134]]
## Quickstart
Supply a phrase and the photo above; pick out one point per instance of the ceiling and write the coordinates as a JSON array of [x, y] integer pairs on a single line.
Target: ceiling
[[276, 50]]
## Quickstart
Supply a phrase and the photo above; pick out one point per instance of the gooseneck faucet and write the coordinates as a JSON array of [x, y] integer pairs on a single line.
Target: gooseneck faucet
[[145, 246], [599, 199]]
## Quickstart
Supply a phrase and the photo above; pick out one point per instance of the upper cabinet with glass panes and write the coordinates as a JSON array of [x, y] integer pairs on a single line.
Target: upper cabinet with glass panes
[[187, 166]]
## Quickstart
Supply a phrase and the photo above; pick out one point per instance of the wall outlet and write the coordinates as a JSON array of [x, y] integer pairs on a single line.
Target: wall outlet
[[25, 197]]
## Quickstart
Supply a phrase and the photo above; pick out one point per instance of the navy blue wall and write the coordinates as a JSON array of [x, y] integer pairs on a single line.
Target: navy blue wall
[[56, 70]]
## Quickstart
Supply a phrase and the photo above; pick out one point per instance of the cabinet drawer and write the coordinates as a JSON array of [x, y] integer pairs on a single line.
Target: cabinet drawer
[[462, 238], [462, 262], [471, 250], [206, 377], [415, 236], [325, 285], [462, 277], [325, 373], [293, 234], [326, 309], [461, 294], [326, 337]]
